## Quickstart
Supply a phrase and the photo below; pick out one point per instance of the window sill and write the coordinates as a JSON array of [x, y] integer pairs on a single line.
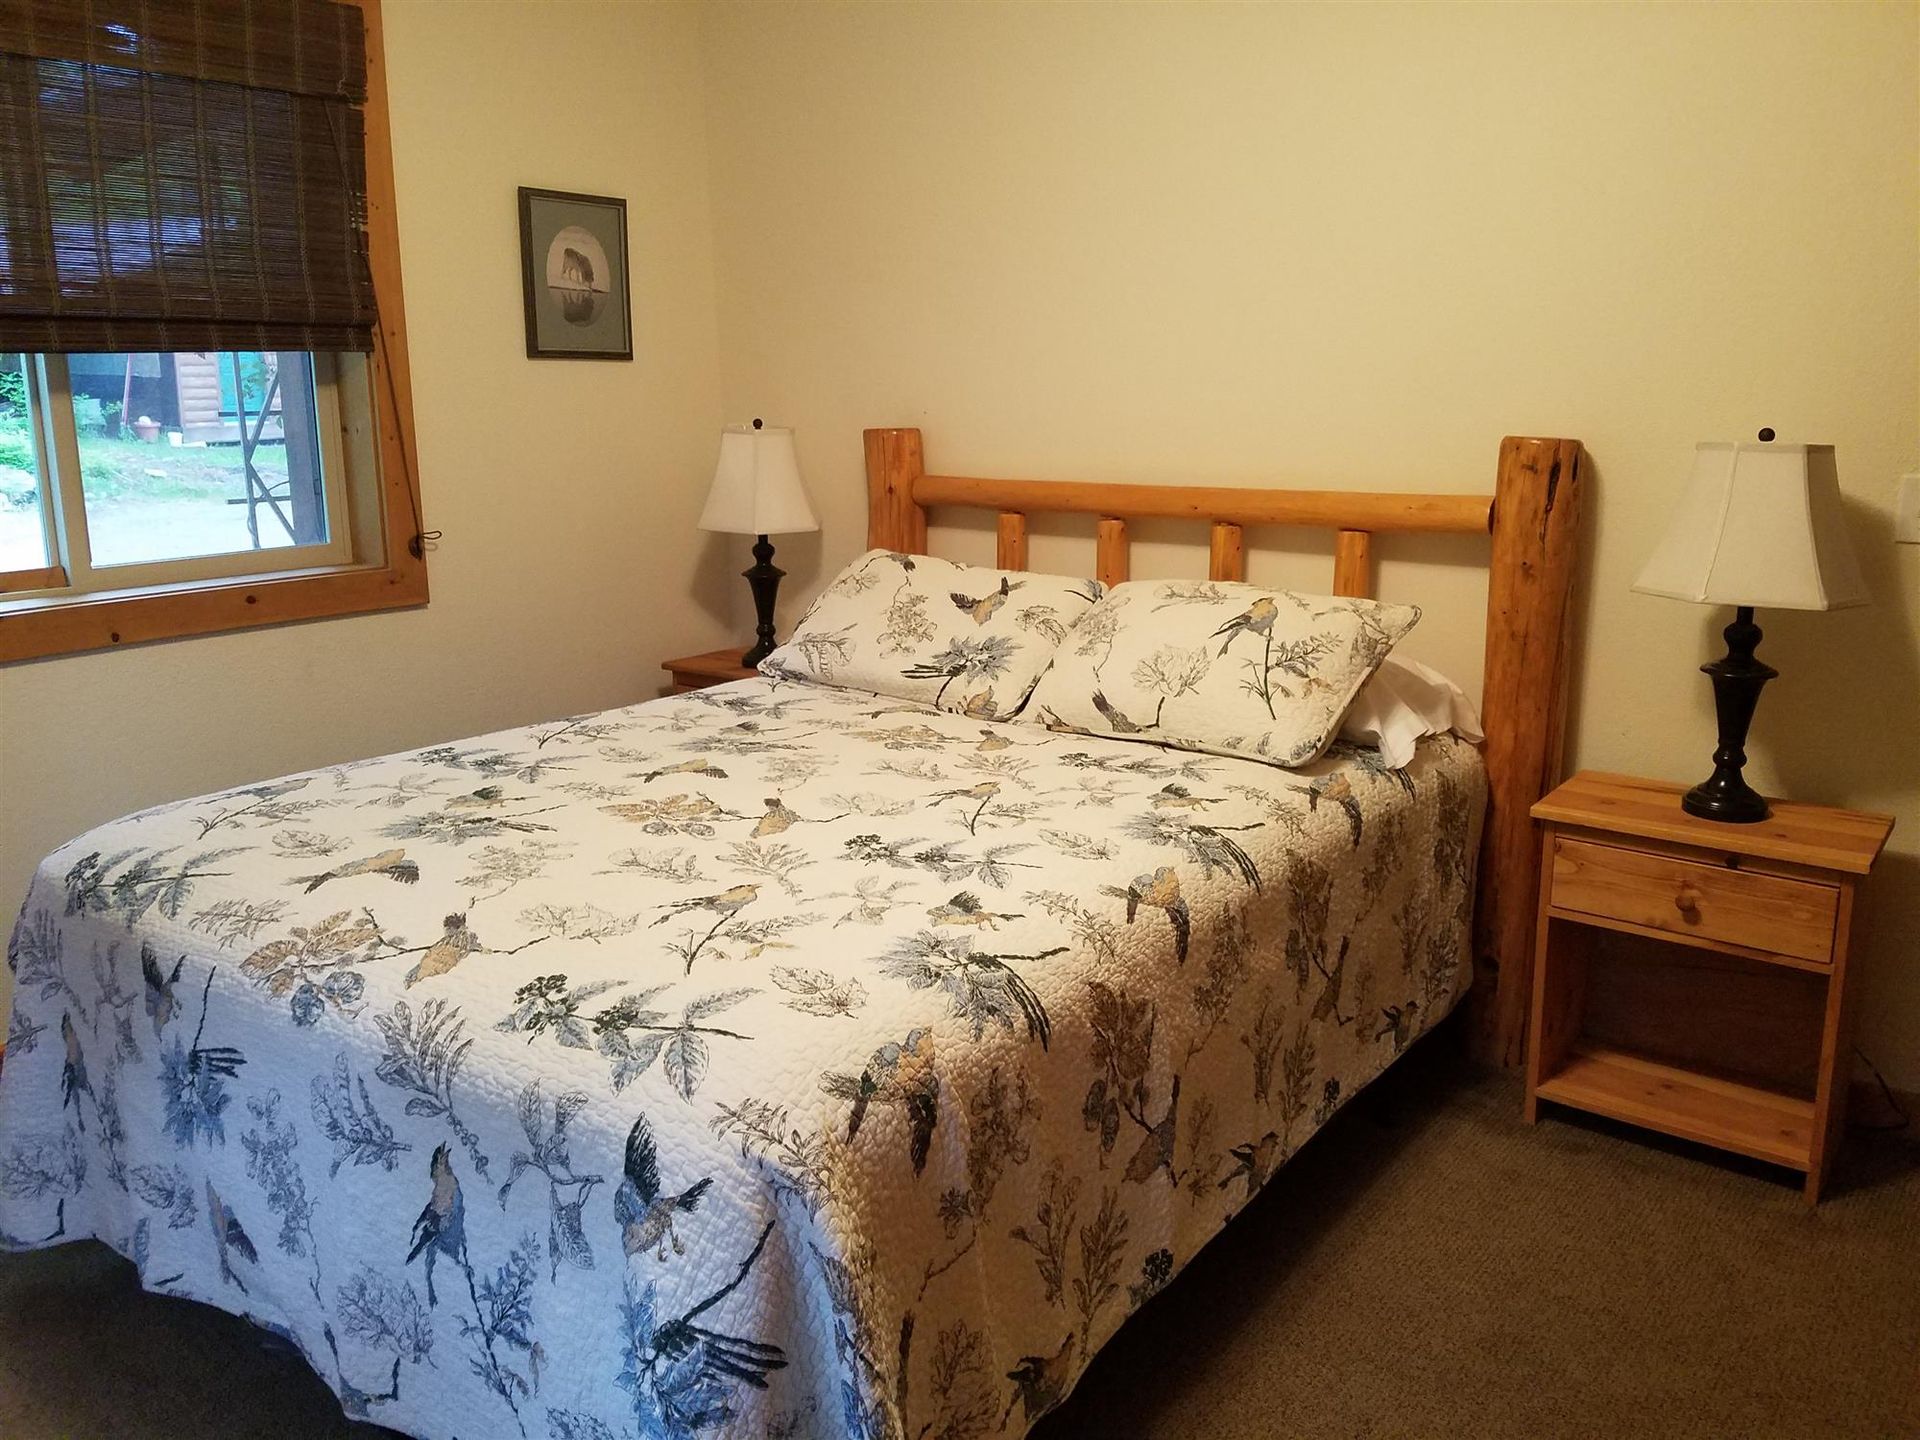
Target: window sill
[[33, 628]]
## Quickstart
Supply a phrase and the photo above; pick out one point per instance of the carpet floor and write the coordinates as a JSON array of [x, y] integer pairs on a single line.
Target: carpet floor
[[1429, 1266]]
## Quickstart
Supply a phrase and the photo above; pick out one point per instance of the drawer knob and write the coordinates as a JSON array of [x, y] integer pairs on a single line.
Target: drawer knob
[[1687, 902]]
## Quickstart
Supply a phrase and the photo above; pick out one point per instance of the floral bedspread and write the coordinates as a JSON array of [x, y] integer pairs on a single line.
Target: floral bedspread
[[770, 1061]]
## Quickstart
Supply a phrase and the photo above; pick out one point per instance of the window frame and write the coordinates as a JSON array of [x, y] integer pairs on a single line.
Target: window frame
[[382, 527]]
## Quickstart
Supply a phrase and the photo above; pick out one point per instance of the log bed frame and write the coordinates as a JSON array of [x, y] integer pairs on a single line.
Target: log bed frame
[[1533, 518]]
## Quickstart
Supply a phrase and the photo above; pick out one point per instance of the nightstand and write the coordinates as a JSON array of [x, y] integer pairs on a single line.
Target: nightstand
[[716, 667], [1690, 976]]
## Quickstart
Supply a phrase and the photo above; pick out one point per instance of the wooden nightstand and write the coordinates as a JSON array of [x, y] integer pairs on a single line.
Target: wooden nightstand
[[1717, 1007], [716, 667]]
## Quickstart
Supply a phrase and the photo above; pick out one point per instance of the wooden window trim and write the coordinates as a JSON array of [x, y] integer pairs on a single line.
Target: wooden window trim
[[64, 626]]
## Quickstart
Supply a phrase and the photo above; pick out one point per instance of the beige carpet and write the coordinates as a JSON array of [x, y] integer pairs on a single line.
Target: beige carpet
[[1427, 1267]]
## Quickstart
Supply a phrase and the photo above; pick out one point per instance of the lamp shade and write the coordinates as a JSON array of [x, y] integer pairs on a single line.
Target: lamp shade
[[1758, 525], [756, 486]]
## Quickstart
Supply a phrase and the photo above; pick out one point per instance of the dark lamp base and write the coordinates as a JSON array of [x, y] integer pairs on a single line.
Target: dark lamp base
[[1737, 680], [764, 579], [1726, 798]]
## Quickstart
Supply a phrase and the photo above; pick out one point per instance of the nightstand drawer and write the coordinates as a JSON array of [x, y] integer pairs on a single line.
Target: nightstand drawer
[[1683, 897]]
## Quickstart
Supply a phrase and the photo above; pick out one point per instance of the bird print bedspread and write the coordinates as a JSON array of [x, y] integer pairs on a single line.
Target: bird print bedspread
[[770, 1061]]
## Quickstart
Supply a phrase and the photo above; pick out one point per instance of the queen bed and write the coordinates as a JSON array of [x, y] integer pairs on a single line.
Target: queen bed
[[778, 1059]]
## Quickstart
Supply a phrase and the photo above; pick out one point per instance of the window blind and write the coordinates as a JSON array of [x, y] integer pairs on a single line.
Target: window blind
[[183, 175]]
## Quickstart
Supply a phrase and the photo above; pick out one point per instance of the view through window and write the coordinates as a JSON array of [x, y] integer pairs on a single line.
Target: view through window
[[157, 458], [23, 530]]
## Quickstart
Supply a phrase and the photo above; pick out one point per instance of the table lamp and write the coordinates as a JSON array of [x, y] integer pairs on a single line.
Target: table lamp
[[757, 491], [1758, 526]]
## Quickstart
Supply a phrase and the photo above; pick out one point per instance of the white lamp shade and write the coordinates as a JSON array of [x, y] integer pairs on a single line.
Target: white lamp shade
[[1758, 525], [756, 486]]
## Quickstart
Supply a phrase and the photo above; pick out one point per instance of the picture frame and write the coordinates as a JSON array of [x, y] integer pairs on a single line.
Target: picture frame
[[574, 275]]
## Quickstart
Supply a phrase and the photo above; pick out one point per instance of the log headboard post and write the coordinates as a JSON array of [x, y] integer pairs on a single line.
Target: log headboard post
[[894, 521], [1536, 521]]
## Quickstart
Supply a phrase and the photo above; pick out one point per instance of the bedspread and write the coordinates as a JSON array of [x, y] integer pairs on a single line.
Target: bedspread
[[772, 1060]]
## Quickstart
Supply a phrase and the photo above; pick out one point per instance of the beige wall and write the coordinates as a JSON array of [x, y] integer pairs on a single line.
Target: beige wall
[[566, 489], [1354, 245]]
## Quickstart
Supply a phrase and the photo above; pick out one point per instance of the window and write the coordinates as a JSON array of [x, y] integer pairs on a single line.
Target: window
[[126, 471], [205, 418]]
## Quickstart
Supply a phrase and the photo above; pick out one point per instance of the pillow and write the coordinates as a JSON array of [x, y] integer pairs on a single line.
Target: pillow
[[1227, 668], [1404, 701], [959, 637]]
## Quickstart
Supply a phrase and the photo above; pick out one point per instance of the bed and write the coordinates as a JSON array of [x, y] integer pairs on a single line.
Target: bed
[[772, 1060]]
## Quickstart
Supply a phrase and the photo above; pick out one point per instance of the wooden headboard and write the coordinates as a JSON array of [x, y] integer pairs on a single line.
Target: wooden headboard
[[1533, 519]]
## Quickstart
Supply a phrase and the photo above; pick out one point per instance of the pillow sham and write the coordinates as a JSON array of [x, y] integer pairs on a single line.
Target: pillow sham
[[1218, 666], [957, 637], [1403, 702]]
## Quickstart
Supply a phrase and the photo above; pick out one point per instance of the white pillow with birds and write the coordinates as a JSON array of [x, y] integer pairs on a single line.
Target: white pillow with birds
[[1219, 666], [958, 637]]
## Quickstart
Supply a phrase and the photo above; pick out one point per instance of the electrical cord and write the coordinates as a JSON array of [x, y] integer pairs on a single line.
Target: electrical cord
[[1886, 1092]]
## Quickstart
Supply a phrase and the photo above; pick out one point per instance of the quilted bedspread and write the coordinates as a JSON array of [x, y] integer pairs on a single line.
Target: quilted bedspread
[[769, 1061]]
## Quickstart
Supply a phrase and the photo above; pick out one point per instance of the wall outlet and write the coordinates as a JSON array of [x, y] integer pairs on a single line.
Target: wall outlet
[[1906, 510]]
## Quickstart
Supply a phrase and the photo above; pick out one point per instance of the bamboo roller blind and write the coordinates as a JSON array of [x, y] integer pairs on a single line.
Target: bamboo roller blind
[[183, 175]]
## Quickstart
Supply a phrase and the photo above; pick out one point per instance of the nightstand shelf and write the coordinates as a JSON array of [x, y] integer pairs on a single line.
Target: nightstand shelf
[[1726, 1113], [1690, 975]]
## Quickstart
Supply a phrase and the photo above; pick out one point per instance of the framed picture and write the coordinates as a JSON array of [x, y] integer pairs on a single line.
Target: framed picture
[[573, 273]]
